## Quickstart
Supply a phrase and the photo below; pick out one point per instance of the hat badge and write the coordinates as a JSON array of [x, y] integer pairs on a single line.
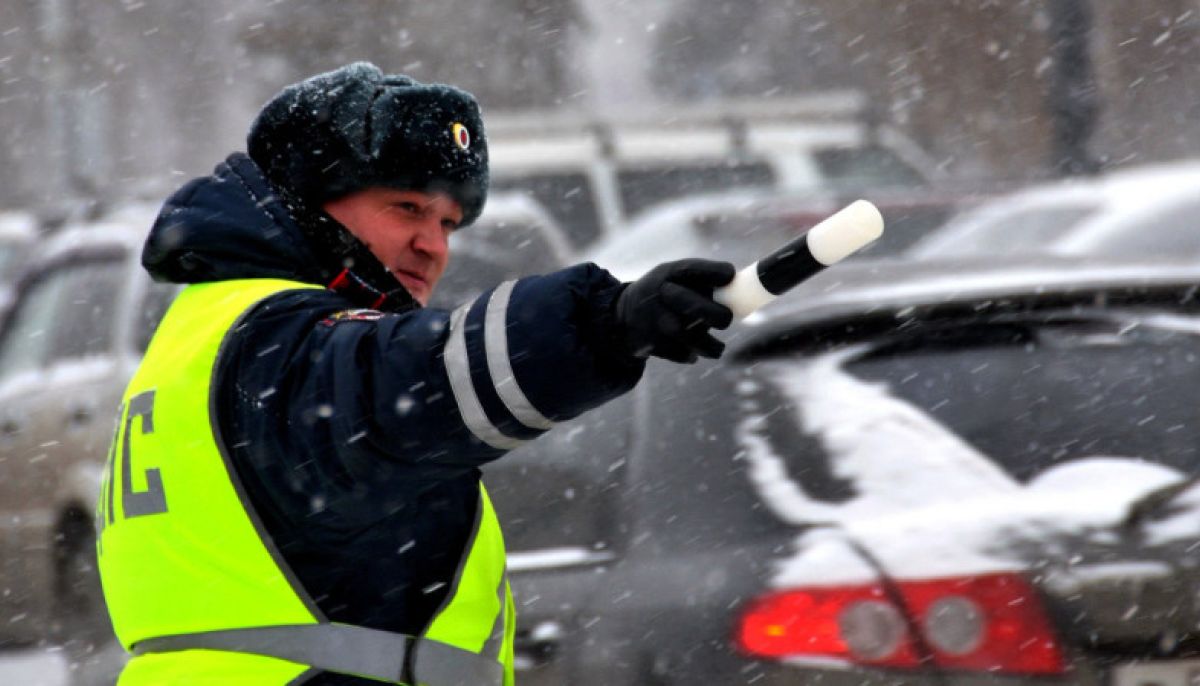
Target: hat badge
[[462, 137]]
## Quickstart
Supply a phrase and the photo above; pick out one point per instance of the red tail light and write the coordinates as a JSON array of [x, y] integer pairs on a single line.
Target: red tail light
[[992, 623]]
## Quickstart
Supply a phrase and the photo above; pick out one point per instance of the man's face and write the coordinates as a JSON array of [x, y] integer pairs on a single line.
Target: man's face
[[408, 231]]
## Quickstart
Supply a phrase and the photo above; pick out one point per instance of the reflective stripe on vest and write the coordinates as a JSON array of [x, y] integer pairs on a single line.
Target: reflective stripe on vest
[[380, 655], [182, 555]]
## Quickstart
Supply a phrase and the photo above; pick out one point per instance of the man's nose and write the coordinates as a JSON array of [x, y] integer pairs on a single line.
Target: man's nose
[[432, 239]]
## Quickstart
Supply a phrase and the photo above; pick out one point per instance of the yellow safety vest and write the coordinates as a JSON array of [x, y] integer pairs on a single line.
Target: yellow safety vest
[[194, 585]]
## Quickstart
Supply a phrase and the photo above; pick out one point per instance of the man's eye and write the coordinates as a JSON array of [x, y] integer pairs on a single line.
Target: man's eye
[[408, 206], [449, 224]]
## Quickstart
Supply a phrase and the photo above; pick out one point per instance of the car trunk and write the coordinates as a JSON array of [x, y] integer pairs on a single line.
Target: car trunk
[[993, 463]]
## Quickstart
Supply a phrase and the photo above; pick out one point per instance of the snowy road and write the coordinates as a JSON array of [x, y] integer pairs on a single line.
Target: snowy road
[[48, 667], [32, 668]]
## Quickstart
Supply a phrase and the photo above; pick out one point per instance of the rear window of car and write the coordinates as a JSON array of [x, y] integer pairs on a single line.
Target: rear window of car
[[1029, 396], [1041, 395]]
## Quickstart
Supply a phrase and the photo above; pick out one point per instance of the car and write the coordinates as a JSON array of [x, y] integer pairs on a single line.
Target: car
[[742, 226], [597, 173], [83, 313], [514, 236], [903, 472], [1156, 217], [1147, 211]]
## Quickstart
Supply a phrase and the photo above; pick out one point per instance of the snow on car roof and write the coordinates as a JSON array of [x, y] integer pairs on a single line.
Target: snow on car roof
[[874, 439]]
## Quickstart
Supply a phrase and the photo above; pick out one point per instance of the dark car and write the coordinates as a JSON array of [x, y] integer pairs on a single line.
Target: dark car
[[903, 473]]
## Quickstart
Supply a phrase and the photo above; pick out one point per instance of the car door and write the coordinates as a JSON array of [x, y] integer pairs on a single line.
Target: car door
[[558, 500], [86, 368]]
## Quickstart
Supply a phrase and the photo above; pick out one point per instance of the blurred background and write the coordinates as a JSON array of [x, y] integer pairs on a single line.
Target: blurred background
[[111, 100], [1040, 152]]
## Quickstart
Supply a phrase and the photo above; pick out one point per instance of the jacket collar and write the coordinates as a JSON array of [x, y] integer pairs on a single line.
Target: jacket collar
[[234, 224]]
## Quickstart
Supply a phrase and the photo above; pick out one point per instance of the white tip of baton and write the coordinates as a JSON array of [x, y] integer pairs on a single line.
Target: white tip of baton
[[744, 294], [845, 232]]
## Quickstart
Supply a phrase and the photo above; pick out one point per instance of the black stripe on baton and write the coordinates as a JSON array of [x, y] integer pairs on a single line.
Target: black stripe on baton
[[787, 266]]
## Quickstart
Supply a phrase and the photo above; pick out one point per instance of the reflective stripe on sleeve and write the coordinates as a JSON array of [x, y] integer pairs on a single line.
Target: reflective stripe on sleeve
[[458, 369], [495, 335]]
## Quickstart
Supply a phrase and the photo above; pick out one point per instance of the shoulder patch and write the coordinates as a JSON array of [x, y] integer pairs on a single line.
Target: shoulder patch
[[352, 316]]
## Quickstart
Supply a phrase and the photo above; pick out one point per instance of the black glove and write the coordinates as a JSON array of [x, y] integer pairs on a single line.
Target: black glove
[[668, 312]]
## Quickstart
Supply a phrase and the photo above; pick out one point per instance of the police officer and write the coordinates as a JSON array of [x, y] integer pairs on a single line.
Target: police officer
[[293, 494]]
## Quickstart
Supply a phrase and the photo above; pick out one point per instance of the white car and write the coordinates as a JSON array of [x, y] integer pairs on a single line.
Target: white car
[[83, 312], [596, 172], [1145, 212]]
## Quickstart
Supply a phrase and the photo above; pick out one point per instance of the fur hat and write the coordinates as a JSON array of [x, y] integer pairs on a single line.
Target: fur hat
[[356, 127]]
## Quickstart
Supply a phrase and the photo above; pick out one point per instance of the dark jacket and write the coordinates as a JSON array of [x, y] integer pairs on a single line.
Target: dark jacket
[[342, 420]]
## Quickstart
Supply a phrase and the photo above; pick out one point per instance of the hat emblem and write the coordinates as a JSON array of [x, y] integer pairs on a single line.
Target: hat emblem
[[462, 137]]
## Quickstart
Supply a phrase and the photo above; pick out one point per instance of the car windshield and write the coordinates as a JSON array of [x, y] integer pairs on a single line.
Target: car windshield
[[973, 408]]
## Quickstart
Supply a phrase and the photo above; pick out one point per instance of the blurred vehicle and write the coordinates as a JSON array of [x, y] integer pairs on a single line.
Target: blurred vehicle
[[906, 473], [513, 237], [742, 226], [1148, 212], [83, 314], [595, 174]]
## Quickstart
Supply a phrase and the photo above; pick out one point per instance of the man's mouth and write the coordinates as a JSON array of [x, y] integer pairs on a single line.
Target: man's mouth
[[411, 279]]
